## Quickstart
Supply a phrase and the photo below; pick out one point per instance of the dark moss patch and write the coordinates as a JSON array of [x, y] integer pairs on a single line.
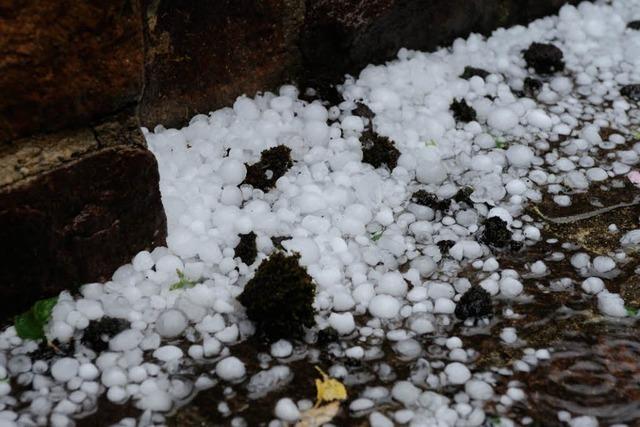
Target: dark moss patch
[[327, 336], [474, 303], [277, 241], [464, 196], [445, 245], [634, 25], [47, 351], [495, 233], [544, 58], [631, 92], [473, 71], [99, 332], [273, 163], [362, 110], [246, 249], [430, 200], [279, 298], [379, 150], [462, 111], [532, 87]]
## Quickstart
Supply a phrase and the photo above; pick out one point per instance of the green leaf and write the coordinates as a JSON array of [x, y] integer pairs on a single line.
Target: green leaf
[[183, 282], [42, 309], [377, 235], [495, 421], [431, 143], [30, 324], [632, 311], [500, 143], [28, 327], [636, 135]]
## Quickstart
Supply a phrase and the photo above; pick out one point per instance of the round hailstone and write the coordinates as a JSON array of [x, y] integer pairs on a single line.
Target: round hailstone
[[171, 323], [343, 323], [232, 171], [168, 353], [384, 306], [230, 369], [126, 340], [405, 392], [64, 369], [539, 119], [478, 390], [502, 119], [457, 373], [287, 410], [431, 173], [603, 264], [597, 174], [281, 348], [519, 156], [611, 304], [593, 285], [392, 283], [510, 287], [143, 261]]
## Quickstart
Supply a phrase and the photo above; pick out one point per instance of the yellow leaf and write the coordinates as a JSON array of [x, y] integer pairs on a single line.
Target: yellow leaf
[[329, 389], [318, 416]]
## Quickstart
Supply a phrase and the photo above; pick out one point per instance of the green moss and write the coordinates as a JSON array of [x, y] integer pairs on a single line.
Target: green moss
[[279, 298]]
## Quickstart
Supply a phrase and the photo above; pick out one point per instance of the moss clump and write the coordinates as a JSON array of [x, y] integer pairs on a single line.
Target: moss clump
[[472, 72], [464, 196], [430, 200], [495, 233], [246, 249], [634, 25], [379, 150], [99, 332], [462, 111], [475, 302], [532, 87], [279, 298], [445, 245], [631, 92], [273, 163], [544, 58]]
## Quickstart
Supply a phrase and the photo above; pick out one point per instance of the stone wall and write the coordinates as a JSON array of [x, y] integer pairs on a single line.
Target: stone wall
[[78, 188]]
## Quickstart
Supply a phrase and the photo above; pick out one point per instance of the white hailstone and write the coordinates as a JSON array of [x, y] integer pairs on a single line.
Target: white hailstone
[[482, 162], [376, 419], [157, 400], [355, 352], [457, 373], [171, 323], [143, 261], [603, 264], [538, 267], [90, 308], [509, 335], [137, 374], [576, 180], [516, 187], [343, 323], [539, 119], [19, 364], [490, 285], [364, 293], [384, 306], [64, 369], [502, 119], [531, 232], [343, 301], [597, 174], [515, 393], [113, 376], [431, 172], [168, 353], [584, 421], [316, 132], [232, 171], [88, 371], [384, 98], [246, 108], [230, 369], [281, 348], [478, 390], [611, 304], [490, 265], [392, 283], [116, 394], [405, 392], [510, 287], [519, 156], [315, 112], [287, 410], [421, 325], [352, 124], [580, 260], [593, 285], [453, 343], [126, 340], [361, 404], [444, 306], [425, 265], [632, 238]]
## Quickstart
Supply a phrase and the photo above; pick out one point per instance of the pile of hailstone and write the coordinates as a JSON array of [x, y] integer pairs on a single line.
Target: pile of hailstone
[[510, 117]]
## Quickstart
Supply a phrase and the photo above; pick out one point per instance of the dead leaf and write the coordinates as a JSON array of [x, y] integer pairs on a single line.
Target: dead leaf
[[329, 389], [318, 416]]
